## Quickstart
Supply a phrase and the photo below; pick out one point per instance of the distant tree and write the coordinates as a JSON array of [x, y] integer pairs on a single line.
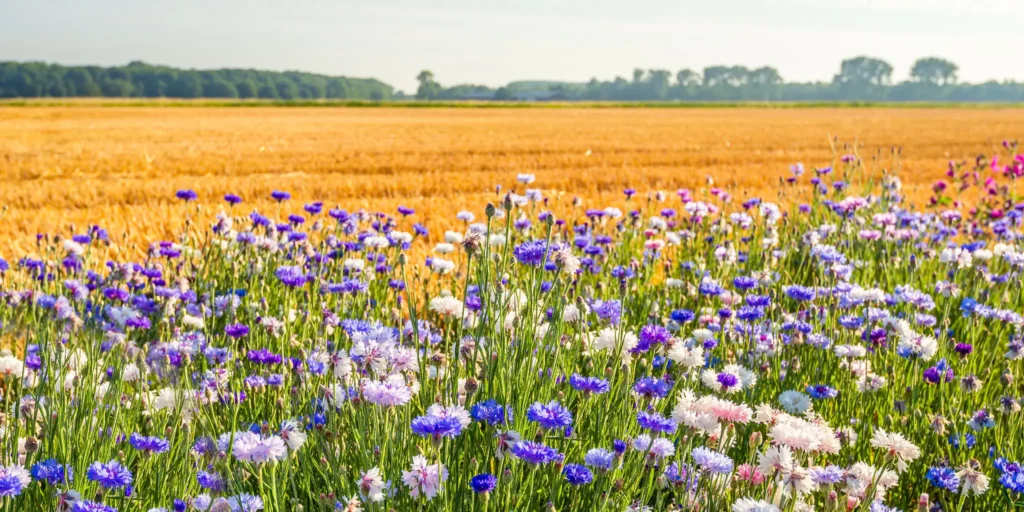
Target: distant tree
[[765, 77], [864, 70], [220, 88], [246, 89], [267, 92], [287, 90], [658, 84], [117, 88], [934, 70], [502, 94], [81, 83], [688, 78], [429, 88], [186, 85]]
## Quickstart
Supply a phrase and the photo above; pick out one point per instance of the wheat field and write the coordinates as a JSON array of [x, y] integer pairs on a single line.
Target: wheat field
[[67, 167]]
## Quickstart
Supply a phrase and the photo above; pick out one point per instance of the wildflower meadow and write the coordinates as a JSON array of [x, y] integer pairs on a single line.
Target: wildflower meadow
[[827, 346]]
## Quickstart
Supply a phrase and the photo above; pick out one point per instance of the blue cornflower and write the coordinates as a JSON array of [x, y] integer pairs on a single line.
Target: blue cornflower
[[800, 293], [550, 415], [681, 316], [589, 385], [969, 439], [655, 422], [111, 475], [263, 356], [535, 453], [187, 195], [314, 208], [437, 426], [577, 474], [619, 446], [490, 412], [51, 472], [749, 313], [531, 253], [1012, 474], [651, 335], [711, 461], [291, 276], [608, 310], [599, 458], [651, 387], [149, 444], [758, 301], [233, 199], [211, 480], [677, 474], [279, 196], [483, 483], [827, 475], [710, 289], [943, 478], [12, 480], [822, 392], [744, 283], [90, 506]]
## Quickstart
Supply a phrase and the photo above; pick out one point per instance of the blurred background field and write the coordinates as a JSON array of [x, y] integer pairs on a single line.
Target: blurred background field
[[120, 166]]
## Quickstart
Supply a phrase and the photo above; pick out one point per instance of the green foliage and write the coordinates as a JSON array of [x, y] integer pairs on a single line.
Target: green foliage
[[860, 79], [141, 80]]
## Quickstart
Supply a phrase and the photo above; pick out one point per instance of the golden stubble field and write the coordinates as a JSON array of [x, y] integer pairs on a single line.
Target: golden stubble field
[[120, 166]]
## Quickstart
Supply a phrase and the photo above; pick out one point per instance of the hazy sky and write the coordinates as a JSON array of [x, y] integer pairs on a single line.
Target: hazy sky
[[493, 42]]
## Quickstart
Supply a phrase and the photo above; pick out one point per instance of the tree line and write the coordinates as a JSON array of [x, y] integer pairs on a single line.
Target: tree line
[[142, 80], [859, 79]]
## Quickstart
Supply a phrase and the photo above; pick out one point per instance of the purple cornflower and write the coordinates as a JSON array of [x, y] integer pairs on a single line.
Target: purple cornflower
[[279, 196], [800, 293], [727, 380], [405, 211], [111, 475], [963, 349], [90, 506], [535, 453], [711, 460], [744, 283], [263, 356], [655, 422], [291, 276], [233, 199], [187, 195], [436, 427], [531, 253], [608, 310], [149, 444], [651, 335], [589, 385], [236, 330], [651, 387], [941, 371], [550, 415], [211, 480]]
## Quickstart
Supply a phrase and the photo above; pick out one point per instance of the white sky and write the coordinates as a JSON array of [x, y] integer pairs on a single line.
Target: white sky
[[495, 41]]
